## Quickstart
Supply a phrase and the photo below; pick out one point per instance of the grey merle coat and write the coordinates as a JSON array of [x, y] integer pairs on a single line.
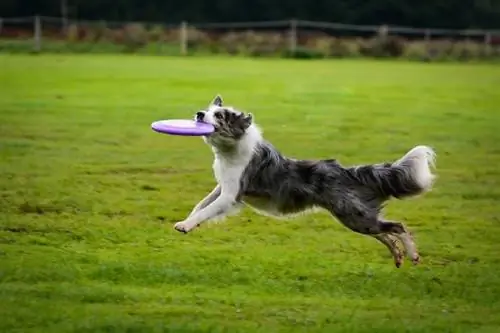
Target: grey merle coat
[[249, 170]]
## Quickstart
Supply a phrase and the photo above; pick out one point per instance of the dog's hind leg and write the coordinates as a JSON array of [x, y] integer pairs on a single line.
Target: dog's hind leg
[[367, 222], [391, 244], [403, 234]]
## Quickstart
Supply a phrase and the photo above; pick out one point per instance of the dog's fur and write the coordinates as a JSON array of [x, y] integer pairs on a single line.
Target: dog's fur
[[249, 170]]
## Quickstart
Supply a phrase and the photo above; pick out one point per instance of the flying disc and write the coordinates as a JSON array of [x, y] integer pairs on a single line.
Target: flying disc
[[182, 127]]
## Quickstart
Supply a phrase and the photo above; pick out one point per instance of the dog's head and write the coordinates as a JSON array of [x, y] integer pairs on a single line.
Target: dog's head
[[230, 125]]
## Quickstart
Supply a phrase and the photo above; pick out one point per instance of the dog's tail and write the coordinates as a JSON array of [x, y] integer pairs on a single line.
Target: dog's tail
[[409, 176]]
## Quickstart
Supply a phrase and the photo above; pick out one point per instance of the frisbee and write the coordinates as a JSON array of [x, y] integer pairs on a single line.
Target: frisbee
[[182, 127]]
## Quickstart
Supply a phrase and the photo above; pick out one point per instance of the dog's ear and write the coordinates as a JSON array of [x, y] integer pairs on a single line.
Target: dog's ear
[[247, 121], [217, 101]]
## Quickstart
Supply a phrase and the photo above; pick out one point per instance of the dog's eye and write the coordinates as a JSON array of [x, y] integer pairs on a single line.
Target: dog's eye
[[218, 115]]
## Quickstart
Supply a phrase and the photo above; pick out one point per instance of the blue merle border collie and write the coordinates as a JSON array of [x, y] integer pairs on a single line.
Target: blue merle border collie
[[250, 171]]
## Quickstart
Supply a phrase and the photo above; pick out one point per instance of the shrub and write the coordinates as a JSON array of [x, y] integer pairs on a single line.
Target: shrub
[[439, 49], [157, 33], [466, 50], [269, 44], [87, 33], [494, 51], [302, 52], [135, 36], [322, 44], [196, 39], [90, 32], [159, 40], [336, 47], [252, 43], [229, 43], [72, 33], [383, 47], [343, 48], [417, 51]]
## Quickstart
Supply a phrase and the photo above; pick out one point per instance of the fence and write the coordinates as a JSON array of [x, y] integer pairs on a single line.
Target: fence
[[40, 33]]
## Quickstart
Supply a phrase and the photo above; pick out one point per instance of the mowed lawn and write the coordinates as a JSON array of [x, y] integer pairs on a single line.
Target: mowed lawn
[[89, 195]]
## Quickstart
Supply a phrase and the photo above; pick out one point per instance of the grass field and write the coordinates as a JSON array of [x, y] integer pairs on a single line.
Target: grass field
[[89, 195]]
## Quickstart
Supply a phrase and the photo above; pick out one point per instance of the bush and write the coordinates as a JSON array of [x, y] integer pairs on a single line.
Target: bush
[[159, 40], [88, 32], [271, 44], [345, 48], [439, 49], [322, 44], [196, 39], [303, 53], [336, 47], [157, 34], [417, 51], [135, 36], [252, 43], [229, 43], [384, 47], [466, 50], [72, 33]]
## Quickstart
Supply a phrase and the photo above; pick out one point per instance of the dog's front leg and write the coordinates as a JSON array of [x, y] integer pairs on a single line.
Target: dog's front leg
[[211, 197], [220, 206]]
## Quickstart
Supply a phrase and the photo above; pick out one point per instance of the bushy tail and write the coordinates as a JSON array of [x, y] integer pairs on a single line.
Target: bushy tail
[[409, 176]]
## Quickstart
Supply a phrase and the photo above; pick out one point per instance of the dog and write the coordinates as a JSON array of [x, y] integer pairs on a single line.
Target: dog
[[250, 171]]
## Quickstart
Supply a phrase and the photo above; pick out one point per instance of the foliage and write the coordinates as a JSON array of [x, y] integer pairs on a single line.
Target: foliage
[[304, 53], [160, 39], [384, 47], [157, 39]]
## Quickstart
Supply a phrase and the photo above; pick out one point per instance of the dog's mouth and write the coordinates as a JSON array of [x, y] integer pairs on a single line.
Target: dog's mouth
[[199, 118], [216, 127]]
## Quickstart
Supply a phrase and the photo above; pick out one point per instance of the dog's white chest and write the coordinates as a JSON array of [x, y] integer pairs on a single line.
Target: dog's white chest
[[228, 174]]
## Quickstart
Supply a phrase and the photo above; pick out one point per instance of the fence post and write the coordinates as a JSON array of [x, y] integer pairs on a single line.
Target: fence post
[[1, 25], [383, 31], [184, 38], [64, 15], [292, 46], [427, 37], [487, 43], [38, 34], [487, 39]]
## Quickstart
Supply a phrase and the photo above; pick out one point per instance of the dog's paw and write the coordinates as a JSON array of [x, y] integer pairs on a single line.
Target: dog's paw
[[398, 260], [182, 227]]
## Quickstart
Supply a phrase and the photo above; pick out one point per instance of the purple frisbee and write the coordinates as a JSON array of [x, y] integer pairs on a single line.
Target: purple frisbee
[[182, 127]]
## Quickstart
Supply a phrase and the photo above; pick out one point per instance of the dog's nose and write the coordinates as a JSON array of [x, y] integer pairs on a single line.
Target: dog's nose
[[200, 115]]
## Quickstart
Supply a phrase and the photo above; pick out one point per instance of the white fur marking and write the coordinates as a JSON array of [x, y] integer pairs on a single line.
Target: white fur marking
[[420, 159]]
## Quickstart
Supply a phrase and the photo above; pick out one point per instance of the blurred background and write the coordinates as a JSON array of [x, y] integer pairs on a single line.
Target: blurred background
[[423, 30]]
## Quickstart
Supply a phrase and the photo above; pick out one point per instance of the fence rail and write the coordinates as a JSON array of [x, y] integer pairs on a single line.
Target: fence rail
[[270, 24]]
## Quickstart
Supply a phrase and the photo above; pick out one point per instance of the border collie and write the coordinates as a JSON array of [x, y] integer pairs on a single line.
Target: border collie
[[250, 171]]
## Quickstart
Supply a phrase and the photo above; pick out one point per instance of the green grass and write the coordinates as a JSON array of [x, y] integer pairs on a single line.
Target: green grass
[[89, 195]]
